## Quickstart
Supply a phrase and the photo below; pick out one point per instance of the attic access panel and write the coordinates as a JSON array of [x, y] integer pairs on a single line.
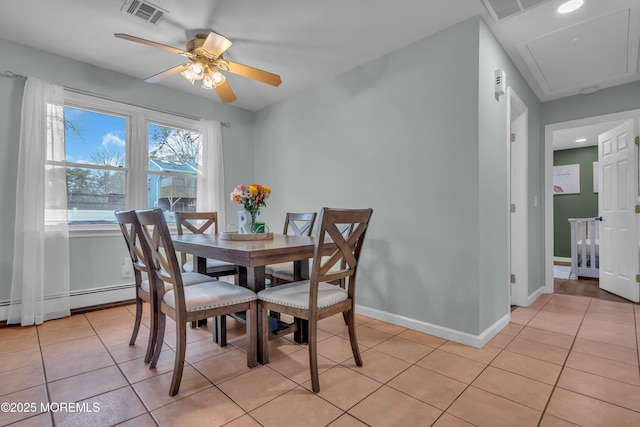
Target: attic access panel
[[501, 9], [581, 55]]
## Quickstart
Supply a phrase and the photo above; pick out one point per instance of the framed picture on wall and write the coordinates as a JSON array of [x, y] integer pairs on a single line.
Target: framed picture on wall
[[566, 179], [595, 177]]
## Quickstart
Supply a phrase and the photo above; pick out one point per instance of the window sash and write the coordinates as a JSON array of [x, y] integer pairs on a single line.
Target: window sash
[[136, 166]]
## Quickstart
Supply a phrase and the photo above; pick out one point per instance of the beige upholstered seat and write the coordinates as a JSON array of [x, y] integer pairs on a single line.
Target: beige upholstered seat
[[130, 230], [300, 224], [186, 304], [332, 286]]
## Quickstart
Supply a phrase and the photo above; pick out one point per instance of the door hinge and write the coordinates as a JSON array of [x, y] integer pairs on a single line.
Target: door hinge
[[513, 207], [513, 278], [637, 140], [513, 137], [637, 208], [638, 278]]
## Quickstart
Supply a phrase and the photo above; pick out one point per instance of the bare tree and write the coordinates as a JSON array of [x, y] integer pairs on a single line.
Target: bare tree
[[175, 145]]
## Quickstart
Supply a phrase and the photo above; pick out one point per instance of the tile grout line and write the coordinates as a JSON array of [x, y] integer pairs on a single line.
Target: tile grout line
[[555, 385], [44, 374]]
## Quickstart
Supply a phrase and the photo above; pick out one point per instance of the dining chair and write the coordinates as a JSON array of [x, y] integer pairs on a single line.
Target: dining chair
[[336, 259], [199, 223], [300, 224], [130, 228], [185, 304]]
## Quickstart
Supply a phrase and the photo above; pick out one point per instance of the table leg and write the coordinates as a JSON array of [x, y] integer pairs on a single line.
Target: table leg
[[254, 279], [201, 267], [301, 271]]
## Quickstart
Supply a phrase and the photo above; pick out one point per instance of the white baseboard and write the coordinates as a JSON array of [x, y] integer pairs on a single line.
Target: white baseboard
[[561, 259], [477, 341], [534, 296], [117, 293], [89, 297]]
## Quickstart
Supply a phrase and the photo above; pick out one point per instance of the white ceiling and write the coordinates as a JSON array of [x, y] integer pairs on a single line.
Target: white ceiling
[[310, 42], [566, 139]]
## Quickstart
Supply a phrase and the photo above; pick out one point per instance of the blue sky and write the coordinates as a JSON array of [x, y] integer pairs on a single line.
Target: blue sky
[[98, 132]]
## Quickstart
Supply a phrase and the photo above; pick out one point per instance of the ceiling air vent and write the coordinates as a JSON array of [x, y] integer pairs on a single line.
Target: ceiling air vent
[[144, 10], [501, 9]]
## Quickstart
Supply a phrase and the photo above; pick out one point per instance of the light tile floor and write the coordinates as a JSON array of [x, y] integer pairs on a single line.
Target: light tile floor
[[564, 361]]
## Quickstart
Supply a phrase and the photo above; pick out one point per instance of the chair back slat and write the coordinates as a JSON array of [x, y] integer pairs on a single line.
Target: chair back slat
[[196, 223], [130, 230], [346, 229], [157, 241], [301, 224]]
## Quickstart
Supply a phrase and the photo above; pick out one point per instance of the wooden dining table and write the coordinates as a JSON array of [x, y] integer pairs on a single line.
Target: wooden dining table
[[251, 257]]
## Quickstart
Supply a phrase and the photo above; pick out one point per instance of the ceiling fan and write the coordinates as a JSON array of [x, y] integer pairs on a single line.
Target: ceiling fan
[[205, 53]]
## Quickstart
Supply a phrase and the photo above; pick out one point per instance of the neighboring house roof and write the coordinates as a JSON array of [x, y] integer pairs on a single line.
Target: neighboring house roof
[[159, 165]]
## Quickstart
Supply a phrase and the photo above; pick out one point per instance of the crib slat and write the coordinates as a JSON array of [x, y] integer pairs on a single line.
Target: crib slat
[[584, 256]]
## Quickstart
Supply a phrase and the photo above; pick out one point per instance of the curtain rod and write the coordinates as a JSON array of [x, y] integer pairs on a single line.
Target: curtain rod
[[12, 75]]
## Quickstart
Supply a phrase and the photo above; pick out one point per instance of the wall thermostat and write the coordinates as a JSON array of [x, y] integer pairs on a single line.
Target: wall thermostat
[[499, 82]]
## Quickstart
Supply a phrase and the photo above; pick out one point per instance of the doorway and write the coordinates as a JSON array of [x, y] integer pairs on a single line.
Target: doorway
[[598, 125]]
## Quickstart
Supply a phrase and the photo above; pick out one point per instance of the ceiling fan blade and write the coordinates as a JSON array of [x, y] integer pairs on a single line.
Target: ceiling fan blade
[[150, 43], [216, 44], [225, 93], [167, 73], [254, 73]]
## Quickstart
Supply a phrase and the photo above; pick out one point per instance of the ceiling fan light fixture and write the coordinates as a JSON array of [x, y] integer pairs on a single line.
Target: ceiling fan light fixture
[[212, 79], [187, 75], [570, 6], [197, 70], [218, 78]]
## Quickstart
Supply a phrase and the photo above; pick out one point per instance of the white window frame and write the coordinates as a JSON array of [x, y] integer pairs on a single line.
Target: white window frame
[[136, 153]]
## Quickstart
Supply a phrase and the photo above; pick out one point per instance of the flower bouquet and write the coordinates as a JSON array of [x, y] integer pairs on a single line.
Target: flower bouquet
[[252, 198]]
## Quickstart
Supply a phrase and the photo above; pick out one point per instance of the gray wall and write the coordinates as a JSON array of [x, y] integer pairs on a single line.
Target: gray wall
[[418, 136], [96, 261], [493, 179]]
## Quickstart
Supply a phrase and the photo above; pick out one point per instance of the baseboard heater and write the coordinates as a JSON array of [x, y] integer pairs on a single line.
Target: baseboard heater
[[86, 298]]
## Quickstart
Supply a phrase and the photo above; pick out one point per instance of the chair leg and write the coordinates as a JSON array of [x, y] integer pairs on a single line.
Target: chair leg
[[313, 355], [161, 322], [351, 323], [252, 334], [136, 325], [264, 333], [178, 367], [220, 330], [153, 334], [223, 331]]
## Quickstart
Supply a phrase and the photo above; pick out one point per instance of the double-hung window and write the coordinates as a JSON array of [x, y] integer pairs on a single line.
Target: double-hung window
[[118, 157]]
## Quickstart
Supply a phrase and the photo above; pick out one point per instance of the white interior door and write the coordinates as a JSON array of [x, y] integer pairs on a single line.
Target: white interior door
[[618, 181]]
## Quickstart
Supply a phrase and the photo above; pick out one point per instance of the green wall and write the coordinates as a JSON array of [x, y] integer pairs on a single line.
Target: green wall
[[565, 206]]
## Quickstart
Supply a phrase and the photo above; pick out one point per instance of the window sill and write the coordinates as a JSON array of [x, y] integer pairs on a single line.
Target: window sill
[[104, 230]]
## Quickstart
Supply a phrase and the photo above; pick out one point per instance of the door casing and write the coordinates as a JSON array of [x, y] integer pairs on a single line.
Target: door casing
[[547, 287], [517, 124]]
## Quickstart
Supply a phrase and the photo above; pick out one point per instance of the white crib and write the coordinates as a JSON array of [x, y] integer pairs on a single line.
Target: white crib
[[585, 247]]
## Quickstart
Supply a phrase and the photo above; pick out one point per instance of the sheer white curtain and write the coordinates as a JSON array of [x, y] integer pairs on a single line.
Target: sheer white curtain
[[40, 281], [211, 196]]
